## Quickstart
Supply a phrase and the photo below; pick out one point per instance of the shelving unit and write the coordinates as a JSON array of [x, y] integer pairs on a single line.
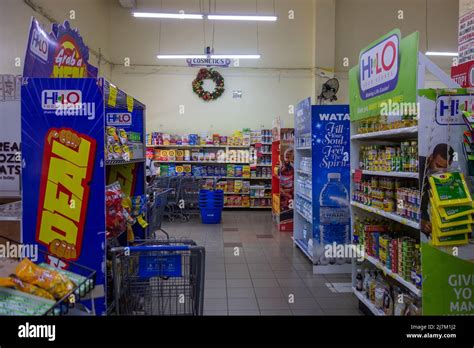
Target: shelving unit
[[201, 162], [390, 174], [399, 133], [367, 303], [388, 215]]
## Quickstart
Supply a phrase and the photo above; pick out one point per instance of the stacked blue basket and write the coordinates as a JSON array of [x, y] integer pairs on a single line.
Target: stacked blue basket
[[211, 204]]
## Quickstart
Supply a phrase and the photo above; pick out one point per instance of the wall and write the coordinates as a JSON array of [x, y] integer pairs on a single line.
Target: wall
[[266, 94], [282, 76], [91, 18]]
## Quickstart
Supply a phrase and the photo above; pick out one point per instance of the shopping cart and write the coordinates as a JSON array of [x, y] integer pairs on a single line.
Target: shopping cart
[[188, 202], [165, 182], [159, 278], [157, 202]]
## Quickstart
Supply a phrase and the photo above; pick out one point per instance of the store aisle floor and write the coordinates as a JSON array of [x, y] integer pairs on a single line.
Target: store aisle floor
[[266, 270]]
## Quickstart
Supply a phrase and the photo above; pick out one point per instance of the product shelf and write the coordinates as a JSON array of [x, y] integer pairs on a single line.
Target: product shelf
[[303, 216], [309, 199], [237, 193], [387, 215], [304, 148], [200, 162], [391, 133], [367, 303], [121, 161], [304, 248], [410, 286], [299, 171], [264, 165], [197, 146], [391, 174]]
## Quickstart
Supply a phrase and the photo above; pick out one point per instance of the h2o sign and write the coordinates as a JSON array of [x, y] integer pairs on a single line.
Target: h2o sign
[[119, 119], [39, 45], [51, 99], [378, 67]]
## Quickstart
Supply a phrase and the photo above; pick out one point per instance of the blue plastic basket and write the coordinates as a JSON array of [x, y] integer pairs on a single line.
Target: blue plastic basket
[[211, 216]]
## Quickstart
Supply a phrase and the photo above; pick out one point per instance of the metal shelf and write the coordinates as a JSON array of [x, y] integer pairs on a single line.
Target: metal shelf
[[303, 248], [412, 175], [367, 303], [304, 216], [388, 215], [120, 162], [391, 133], [199, 162], [410, 286]]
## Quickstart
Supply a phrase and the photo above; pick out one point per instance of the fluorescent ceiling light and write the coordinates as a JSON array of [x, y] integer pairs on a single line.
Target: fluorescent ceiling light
[[242, 18], [180, 56], [443, 54], [235, 56], [167, 15]]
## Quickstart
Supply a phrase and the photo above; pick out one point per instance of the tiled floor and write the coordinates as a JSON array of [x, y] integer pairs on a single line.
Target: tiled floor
[[252, 269]]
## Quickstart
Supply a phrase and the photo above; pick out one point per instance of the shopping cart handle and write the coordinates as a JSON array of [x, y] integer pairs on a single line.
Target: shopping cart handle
[[159, 248]]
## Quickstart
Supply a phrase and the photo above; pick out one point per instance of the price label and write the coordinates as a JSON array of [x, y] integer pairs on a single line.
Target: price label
[[129, 103], [358, 175], [112, 96]]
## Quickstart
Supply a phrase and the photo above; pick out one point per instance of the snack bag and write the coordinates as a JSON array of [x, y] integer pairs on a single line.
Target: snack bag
[[126, 153], [179, 155], [238, 186], [215, 139], [157, 155], [123, 137], [166, 139], [449, 189], [52, 281], [238, 171], [230, 170], [172, 155], [179, 170], [246, 171], [112, 136], [11, 282]]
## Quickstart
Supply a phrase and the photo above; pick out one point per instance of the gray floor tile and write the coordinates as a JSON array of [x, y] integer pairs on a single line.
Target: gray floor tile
[[335, 303], [215, 304], [256, 260], [272, 303], [244, 274], [276, 312], [215, 283], [342, 311], [244, 312], [264, 283], [236, 267], [306, 312], [297, 292], [291, 282], [305, 274], [303, 267], [259, 267], [239, 283], [262, 274], [215, 274], [235, 259], [314, 282], [282, 266], [242, 304], [215, 313], [215, 293], [286, 274], [323, 291], [241, 292], [268, 292], [304, 303]]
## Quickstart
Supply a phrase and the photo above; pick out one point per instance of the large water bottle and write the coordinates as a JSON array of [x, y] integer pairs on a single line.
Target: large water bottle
[[334, 216]]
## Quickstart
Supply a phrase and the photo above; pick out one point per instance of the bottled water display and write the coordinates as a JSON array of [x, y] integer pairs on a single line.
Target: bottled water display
[[334, 214]]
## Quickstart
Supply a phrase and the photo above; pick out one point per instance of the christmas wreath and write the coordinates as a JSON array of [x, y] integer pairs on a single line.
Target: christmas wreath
[[204, 74]]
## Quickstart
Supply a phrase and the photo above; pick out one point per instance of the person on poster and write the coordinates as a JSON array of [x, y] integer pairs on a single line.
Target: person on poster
[[440, 159]]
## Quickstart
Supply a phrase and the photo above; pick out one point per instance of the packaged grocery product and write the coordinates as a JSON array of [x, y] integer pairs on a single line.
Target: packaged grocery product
[[458, 239], [172, 155], [238, 171], [12, 282], [230, 170], [223, 140], [449, 189], [52, 281], [443, 222], [246, 171], [238, 186], [123, 138], [166, 139], [215, 139], [164, 155], [179, 170], [112, 136], [179, 155], [450, 213]]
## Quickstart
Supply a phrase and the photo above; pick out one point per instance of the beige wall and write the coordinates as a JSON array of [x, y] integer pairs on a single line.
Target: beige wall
[[91, 18]]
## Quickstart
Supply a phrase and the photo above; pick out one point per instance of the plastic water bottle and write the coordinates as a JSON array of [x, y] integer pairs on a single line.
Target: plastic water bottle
[[333, 215]]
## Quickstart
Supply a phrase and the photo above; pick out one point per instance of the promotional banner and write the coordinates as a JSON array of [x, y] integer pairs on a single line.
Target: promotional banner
[[386, 71], [10, 149], [463, 74], [208, 62], [286, 178], [63, 174], [331, 180], [60, 53], [466, 37], [444, 154]]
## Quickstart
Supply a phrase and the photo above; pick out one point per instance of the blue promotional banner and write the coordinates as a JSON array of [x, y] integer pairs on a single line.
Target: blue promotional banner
[[303, 118], [331, 179], [60, 53], [63, 174]]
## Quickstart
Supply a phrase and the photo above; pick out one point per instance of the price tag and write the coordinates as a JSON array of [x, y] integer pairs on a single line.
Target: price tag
[[358, 175], [129, 103], [112, 96]]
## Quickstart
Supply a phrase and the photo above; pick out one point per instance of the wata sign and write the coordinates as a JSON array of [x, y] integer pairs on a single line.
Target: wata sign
[[378, 67], [118, 119]]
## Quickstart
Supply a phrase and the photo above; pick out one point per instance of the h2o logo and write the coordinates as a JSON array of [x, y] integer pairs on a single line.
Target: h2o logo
[[50, 99], [39, 45], [119, 119], [378, 68]]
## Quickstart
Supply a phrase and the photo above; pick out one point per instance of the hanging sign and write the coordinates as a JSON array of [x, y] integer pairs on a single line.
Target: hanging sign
[[463, 74], [60, 53], [208, 62], [386, 73], [466, 37]]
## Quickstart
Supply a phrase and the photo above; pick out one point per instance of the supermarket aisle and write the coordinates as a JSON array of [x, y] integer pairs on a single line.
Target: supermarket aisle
[[259, 279]]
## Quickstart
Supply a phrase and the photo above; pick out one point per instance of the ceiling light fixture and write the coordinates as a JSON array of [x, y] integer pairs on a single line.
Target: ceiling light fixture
[[167, 15], [242, 18], [235, 56], [180, 56], [442, 54]]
